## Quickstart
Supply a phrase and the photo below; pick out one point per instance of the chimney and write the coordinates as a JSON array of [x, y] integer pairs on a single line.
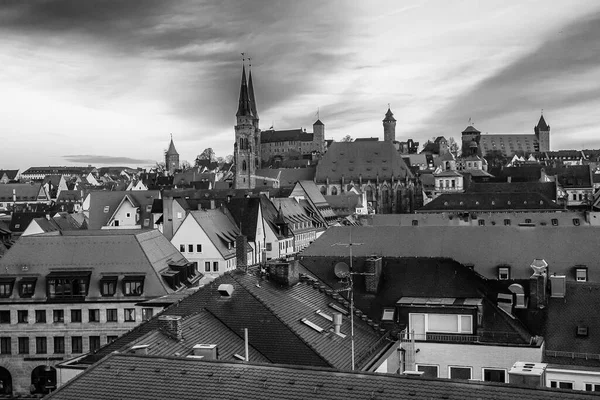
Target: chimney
[[528, 374], [537, 284], [241, 253], [171, 325], [285, 273], [373, 266], [206, 351], [337, 323]]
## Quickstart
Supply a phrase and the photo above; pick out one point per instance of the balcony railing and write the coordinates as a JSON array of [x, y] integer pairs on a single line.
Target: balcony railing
[[570, 354]]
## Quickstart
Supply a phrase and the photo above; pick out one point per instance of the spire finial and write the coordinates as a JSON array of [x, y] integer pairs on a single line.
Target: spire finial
[[250, 62], [171, 136], [389, 108], [243, 59], [542, 111], [471, 121]]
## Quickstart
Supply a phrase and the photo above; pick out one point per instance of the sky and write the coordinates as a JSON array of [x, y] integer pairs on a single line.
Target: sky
[[106, 82]]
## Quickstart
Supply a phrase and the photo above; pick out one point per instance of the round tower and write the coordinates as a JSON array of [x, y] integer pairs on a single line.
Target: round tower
[[389, 127]]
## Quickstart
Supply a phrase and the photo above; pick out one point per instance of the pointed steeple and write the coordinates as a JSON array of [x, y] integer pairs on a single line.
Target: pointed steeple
[[251, 95], [542, 125], [389, 116], [244, 106], [171, 151]]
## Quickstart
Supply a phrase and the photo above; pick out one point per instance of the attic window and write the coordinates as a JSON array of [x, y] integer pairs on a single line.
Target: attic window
[[554, 222], [582, 331], [576, 221], [312, 325], [324, 315], [581, 274], [388, 314], [338, 308], [106, 209]]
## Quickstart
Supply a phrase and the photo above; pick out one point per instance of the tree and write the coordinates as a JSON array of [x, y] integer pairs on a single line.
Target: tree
[[347, 138], [207, 154], [185, 165], [496, 159], [160, 167], [453, 147], [229, 159]]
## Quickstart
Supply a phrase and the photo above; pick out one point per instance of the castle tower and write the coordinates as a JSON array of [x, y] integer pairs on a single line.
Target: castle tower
[[389, 127], [171, 158], [542, 133], [319, 136], [244, 151]]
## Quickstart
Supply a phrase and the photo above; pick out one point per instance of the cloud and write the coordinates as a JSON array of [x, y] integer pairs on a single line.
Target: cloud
[[561, 73], [97, 159]]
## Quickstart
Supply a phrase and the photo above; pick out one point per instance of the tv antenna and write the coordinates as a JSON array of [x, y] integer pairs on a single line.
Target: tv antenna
[[345, 273]]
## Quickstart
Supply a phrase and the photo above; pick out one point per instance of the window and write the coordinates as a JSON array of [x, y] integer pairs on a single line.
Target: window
[[110, 339], [6, 286], [450, 323], [207, 266], [494, 375], [215, 266], [182, 248], [429, 371], [129, 314], [58, 316], [527, 220], [23, 345], [190, 248], [59, 344], [582, 331], [27, 287], [41, 345], [40, 316], [554, 222], [133, 286], [111, 315], [5, 317], [460, 373], [415, 222], [581, 274], [592, 387], [94, 315], [5, 345], [108, 285], [198, 248], [561, 384], [269, 246], [481, 222], [503, 273], [128, 215], [94, 343], [179, 215], [76, 344], [75, 315], [106, 209], [22, 316], [388, 314], [147, 313], [61, 287]]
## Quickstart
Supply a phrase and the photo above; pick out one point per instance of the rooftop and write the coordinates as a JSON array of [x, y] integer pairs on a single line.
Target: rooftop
[[170, 377]]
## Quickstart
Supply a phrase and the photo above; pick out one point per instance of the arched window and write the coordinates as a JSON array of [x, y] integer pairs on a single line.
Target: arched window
[[369, 191], [244, 166], [334, 191], [323, 190]]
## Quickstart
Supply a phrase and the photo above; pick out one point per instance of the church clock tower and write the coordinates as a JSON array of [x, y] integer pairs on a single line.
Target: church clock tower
[[247, 137]]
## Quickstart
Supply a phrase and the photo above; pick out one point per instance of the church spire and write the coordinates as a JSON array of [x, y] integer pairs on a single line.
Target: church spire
[[251, 93], [244, 105]]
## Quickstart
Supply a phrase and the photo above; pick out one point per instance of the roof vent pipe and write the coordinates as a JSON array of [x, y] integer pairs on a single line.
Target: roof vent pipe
[[337, 323]]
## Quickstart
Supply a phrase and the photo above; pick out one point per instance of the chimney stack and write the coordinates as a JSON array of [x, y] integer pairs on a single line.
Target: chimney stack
[[337, 323], [171, 325], [373, 266], [285, 273], [538, 284], [206, 351]]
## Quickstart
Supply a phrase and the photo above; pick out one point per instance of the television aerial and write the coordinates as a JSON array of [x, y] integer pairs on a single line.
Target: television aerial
[[341, 270]]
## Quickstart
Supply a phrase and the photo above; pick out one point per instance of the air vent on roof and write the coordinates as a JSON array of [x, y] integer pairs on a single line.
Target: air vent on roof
[[141, 349], [225, 289]]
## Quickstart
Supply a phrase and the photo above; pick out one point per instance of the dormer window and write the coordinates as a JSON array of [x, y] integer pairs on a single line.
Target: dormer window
[[6, 286], [133, 285], [67, 284], [108, 285], [27, 287]]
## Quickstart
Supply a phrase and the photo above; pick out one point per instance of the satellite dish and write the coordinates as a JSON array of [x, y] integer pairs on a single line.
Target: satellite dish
[[341, 270]]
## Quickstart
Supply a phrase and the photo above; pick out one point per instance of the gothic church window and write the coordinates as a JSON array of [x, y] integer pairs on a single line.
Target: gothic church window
[[244, 165]]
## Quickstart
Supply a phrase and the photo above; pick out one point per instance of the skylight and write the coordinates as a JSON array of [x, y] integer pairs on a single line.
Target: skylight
[[312, 325]]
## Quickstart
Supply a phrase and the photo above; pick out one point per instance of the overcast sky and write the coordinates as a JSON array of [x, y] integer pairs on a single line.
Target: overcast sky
[[106, 82]]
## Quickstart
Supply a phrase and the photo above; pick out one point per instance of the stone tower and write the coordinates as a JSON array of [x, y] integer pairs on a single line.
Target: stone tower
[[319, 136], [542, 133], [246, 149], [389, 127], [171, 158]]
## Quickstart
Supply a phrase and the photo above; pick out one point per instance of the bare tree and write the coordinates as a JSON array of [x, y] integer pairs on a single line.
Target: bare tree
[[207, 154], [160, 167], [229, 159], [185, 165], [347, 138]]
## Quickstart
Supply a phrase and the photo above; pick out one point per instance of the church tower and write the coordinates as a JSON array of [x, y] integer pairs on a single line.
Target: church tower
[[247, 137], [542, 133], [171, 159], [389, 127]]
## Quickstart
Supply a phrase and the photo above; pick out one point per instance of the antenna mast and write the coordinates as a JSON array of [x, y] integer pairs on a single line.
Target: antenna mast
[[350, 287]]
